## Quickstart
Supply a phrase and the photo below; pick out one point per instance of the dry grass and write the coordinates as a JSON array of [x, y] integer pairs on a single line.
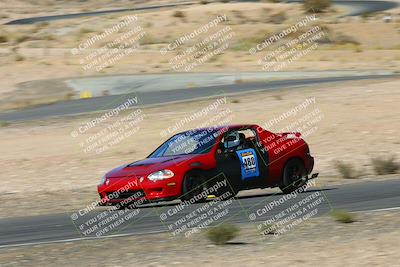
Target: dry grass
[[317, 6], [222, 233], [178, 14], [4, 124], [343, 216], [346, 170], [385, 165]]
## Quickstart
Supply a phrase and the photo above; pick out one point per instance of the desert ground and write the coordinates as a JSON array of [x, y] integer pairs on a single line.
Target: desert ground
[[370, 241], [31, 52]]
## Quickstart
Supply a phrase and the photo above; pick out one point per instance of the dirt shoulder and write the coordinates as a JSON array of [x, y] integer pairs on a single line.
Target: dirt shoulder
[[372, 240]]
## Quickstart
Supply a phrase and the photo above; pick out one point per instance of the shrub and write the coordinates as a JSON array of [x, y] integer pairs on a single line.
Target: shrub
[[278, 18], [43, 24], [342, 216], [366, 15], [85, 30], [344, 39], [203, 2], [385, 165], [18, 57], [69, 95], [358, 49], [346, 170], [268, 229], [22, 38], [3, 39], [47, 37], [222, 233], [316, 6], [4, 124], [270, 1], [178, 14], [242, 45]]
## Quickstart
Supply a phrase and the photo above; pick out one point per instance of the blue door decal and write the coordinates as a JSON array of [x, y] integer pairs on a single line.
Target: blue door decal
[[248, 163]]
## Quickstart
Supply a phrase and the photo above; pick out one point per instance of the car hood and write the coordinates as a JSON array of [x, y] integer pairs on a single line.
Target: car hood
[[146, 166]]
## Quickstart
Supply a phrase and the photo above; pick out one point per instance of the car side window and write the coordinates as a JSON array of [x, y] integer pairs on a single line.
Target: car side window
[[247, 138], [238, 140]]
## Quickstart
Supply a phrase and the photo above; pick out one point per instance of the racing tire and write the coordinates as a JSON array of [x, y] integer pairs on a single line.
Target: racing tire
[[194, 183], [293, 173]]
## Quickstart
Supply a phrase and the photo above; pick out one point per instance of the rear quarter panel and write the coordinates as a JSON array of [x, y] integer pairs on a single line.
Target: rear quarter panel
[[280, 150]]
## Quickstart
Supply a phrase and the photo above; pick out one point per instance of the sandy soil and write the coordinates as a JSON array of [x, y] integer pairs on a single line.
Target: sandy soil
[[31, 52], [41, 160], [371, 241]]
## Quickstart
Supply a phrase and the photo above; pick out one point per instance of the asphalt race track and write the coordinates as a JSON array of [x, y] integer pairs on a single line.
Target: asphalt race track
[[86, 14], [80, 106], [363, 196], [358, 7]]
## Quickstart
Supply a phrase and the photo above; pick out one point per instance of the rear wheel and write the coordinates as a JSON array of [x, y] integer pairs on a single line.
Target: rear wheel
[[194, 184], [293, 173]]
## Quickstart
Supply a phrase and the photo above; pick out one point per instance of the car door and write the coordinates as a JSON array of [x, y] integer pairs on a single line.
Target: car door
[[243, 164], [228, 164], [253, 160]]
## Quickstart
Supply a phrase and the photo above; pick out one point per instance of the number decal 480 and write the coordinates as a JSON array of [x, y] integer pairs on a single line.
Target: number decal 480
[[248, 163]]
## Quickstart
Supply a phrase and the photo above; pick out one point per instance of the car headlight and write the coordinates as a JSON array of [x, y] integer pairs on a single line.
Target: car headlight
[[160, 175], [103, 179]]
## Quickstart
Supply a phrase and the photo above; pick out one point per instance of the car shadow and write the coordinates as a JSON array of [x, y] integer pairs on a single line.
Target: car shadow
[[269, 194], [280, 193]]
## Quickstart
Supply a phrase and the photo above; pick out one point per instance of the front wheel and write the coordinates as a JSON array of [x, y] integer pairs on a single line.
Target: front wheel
[[194, 187], [293, 175]]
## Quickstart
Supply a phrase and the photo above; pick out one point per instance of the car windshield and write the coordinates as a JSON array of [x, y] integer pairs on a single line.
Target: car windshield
[[190, 142]]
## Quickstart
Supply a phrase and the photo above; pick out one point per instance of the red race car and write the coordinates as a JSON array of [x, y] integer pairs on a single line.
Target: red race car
[[211, 161]]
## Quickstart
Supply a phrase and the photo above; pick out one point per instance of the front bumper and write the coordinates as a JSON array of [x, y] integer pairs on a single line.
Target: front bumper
[[130, 190]]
